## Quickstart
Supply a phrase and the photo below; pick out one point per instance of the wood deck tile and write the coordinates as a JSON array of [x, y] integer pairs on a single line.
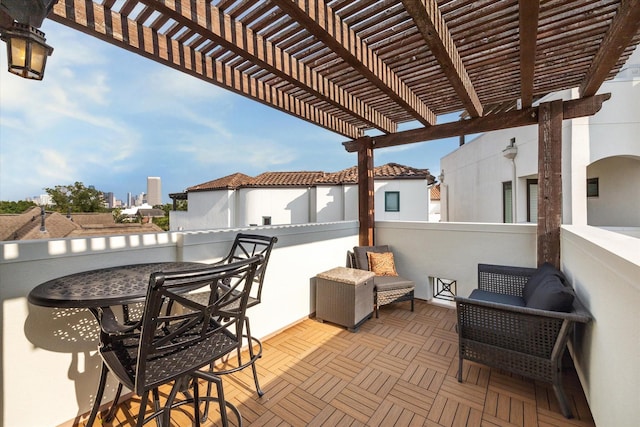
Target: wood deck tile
[[398, 370]]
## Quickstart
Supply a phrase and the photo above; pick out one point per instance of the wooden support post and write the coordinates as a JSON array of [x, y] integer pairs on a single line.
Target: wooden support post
[[365, 191], [549, 182]]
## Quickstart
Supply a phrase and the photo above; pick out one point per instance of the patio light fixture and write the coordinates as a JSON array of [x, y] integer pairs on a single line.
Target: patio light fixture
[[27, 50]]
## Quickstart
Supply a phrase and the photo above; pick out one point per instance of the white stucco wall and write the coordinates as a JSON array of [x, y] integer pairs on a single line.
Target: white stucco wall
[[619, 186], [283, 205], [207, 210], [474, 173], [414, 199], [330, 203]]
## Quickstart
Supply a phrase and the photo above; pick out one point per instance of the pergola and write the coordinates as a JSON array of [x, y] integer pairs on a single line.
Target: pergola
[[361, 67]]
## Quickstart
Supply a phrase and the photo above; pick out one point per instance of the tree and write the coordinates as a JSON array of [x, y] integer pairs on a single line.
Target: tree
[[76, 198], [7, 207]]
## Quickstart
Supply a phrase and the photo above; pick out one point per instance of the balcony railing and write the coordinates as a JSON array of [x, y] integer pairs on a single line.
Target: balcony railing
[[51, 353]]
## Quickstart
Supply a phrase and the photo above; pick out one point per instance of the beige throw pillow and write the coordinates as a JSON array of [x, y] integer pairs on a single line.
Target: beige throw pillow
[[382, 264]]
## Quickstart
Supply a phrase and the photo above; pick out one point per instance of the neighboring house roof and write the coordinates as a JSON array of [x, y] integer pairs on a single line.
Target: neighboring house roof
[[156, 213], [286, 179], [311, 178], [26, 226], [435, 192], [229, 182], [388, 171]]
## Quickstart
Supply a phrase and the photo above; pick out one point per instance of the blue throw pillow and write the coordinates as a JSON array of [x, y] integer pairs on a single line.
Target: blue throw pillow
[[552, 295], [536, 279]]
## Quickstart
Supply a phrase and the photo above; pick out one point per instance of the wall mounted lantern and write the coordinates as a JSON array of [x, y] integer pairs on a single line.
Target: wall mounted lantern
[[27, 50]]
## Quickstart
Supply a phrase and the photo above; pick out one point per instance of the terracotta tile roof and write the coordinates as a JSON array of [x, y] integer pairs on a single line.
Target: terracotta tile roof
[[435, 192], [285, 179], [387, 171], [229, 182], [310, 178]]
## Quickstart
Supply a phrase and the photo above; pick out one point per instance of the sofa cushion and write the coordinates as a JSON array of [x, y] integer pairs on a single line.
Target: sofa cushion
[[390, 283], [360, 254], [538, 277], [488, 296], [382, 264], [551, 294]]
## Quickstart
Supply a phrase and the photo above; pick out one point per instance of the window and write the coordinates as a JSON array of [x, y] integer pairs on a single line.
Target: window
[[532, 200], [266, 220], [507, 202], [592, 187], [392, 201]]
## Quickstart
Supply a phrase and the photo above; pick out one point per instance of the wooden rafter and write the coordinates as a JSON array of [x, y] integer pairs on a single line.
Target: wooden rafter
[[435, 32], [355, 65], [131, 35], [320, 20], [528, 10], [511, 119], [624, 27], [235, 37]]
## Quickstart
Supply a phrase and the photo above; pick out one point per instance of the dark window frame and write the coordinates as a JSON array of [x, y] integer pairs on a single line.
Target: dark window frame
[[593, 184], [388, 202], [266, 220], [530, 182], [507, 185]]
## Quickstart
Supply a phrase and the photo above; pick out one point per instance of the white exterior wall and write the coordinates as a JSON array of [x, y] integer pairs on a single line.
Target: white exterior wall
[[351, 203], [330, 203], [414, 199], [207, 210], [474, 173], [614, 174], [283, 205]]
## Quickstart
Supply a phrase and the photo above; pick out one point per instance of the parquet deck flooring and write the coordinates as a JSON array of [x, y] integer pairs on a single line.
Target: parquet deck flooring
[[398, 370]]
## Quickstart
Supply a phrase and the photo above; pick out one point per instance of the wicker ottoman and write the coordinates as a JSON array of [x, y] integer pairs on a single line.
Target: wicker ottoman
[[344, 296]]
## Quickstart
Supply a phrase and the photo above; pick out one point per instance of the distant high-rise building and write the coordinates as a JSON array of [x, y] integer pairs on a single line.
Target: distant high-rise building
[[129, 200], [154, 191]]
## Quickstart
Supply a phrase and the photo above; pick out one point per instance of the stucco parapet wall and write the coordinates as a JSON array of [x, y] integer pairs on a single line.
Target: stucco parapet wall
[[463, 227], [42, 249], [621, 246]]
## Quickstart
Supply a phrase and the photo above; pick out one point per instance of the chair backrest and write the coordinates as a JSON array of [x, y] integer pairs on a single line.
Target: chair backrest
[[360, 255], [192, 333], [248, 245]]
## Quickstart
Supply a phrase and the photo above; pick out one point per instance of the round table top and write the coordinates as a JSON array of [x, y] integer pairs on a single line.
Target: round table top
[[102, 287]]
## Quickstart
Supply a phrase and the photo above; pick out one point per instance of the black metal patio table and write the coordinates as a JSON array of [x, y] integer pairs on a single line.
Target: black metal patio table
[[104, 287]]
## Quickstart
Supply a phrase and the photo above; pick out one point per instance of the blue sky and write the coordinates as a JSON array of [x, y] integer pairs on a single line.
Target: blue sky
[[110, 118]]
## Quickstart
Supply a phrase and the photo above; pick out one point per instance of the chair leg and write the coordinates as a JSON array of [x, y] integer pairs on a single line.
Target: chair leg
[[252, 358], [114, 406], [144, 399], [460, 369], [98, 399]]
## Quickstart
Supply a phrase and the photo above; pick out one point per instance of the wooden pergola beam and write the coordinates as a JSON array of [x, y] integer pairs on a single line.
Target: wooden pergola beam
[[434, 30], [234, 36], [625, 25], [93, 19], [324, 24], [511, 119], [528, 11], [549, 182], [366, 194]]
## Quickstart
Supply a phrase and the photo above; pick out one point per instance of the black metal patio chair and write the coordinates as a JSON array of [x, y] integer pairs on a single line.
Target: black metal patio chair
[[246, 246], [172, 345]]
